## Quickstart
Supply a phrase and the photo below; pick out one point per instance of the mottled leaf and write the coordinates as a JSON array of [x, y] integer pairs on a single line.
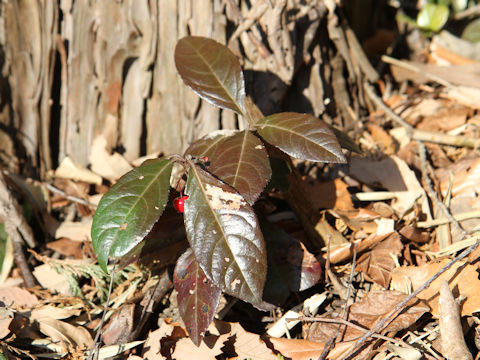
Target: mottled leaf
[[212, 71], [242, 162], [301, 136], [291, 267], [239, 158], [128, 211], [197, 296], [224, 234]]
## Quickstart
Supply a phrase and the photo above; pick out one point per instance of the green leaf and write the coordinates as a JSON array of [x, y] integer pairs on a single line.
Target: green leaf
[[197, 297], [472, 31], [6, 253], [459, 5], [212, 71], [433, 17], [240, 160], [128, 211], [225, 236], [301, 136]]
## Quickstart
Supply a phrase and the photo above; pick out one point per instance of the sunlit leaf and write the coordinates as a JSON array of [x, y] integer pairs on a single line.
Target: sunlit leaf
[[240, 159], [127, 212], [459, 5], [212, 71], [197, 296], [433, 17], [301, 136], [206, 145], [242, 162], [224, 234]]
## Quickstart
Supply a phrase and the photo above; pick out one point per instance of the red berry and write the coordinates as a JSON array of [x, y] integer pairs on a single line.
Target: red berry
[[179, 203]]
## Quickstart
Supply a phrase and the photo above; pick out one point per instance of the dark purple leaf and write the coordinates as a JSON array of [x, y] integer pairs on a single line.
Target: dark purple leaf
[[197, 296], [224, 234], [128, 211], [240, 160], [206, 145], [301, 136], [290, 266], [212, 71]]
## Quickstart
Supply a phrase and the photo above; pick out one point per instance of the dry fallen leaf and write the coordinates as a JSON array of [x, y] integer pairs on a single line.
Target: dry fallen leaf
[[66, 247], [382, 139], [78, 231], [120, 325], [462, 277], [51, 279], [298, 349], [55, 312], [110, 166], [366, 312], [68, 169], [14, 297], [378, 263], [6, 318], [184, 348], [249, 346], [61, 331], [156, 340]]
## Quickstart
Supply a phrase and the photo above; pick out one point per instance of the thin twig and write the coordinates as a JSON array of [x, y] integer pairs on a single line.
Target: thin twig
[[400, 306], [379, 102], [355, 326], [19, 256], [471, 11], [442, 221], [411, 67], [331, 343], [94, 351], [431, 192], [421, 135], [72, 198]]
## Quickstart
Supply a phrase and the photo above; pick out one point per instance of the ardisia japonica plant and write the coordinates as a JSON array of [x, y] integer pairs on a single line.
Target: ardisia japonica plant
[[224, 176]]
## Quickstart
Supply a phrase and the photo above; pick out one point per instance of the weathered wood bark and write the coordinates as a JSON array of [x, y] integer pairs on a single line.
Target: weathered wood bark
[[30, 30], [112, 62], [93, 75]]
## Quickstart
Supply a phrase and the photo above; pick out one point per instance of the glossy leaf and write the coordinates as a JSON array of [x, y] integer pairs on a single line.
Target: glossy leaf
[[197, 296], [224, 234], [128, 211], [240, 160], [206, 145], [212, 71], [301, 136]]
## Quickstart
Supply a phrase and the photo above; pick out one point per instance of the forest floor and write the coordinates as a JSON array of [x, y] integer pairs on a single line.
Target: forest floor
[[395, 277]]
